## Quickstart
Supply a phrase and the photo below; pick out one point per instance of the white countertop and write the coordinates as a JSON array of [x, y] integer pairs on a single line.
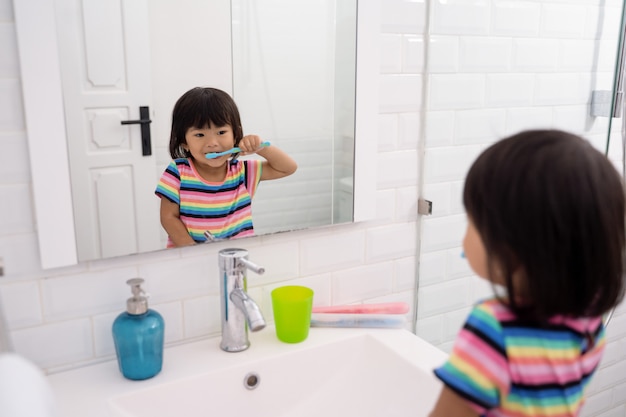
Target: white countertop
[[85, 392]]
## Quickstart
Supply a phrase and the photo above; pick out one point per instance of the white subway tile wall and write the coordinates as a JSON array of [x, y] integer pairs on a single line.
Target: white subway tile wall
[[495, 68], [477, 70]]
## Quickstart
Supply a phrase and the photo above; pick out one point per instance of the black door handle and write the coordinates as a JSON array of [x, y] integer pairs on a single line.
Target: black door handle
[[144, 121]]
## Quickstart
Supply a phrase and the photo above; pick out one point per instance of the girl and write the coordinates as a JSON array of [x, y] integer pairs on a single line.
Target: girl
[[201, 195], [545, 225]]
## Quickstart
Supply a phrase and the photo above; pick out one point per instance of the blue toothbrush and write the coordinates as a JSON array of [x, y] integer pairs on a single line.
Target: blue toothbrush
[[233, 150]]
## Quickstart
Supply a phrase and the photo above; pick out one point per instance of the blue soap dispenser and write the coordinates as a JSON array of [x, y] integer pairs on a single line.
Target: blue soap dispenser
[[138, 336]]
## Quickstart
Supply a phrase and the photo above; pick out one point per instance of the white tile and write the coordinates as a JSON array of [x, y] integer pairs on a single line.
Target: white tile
[[484, 54], [617, 328], [461, 17], [391, 242], [391, 53], [562, 21], [280, 260], [187, 277], [202, 316], [457, 265], [443, 54], [479, 126], [409, 130], [442, 233], [611, 375], [453, 322], [360, 283], [577, 55], [519, 119], [400, 93], [480, 288], [619, 394], [387, 132], [386, 205], [21, 304], [603, 22], [430, 329], [397, 169], [65, 342], [406, 206], [172, 314], [413, 53], [441, 298], [597, 403], [402, 16], [449, 164], [558, 88], [516, 18], [405, 274], [332, 252], [508, 90], [86, 293], [456, 91], [439, 128], [16, 215], [103, 334], [607, 57], [21, 255], [456, 197], [432, 267], [572, 118], [534, 55]]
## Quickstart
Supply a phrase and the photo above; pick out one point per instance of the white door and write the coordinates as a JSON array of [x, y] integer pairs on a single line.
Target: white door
[[105, 57]]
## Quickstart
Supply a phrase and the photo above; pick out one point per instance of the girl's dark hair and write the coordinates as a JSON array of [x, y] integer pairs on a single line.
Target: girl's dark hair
[[548, 203], [199, 107]]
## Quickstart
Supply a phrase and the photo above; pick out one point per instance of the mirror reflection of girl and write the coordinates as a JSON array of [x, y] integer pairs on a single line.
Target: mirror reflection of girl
[[545, 225], [215, 195]]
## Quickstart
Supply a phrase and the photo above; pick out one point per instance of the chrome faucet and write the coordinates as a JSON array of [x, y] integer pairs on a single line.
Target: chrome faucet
[[238, 310]]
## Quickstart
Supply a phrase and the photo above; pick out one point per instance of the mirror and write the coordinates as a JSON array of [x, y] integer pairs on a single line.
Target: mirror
[[102, 202]]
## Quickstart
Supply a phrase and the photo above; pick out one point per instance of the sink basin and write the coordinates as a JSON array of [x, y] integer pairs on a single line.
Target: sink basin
[[364, 373], [334, 372]]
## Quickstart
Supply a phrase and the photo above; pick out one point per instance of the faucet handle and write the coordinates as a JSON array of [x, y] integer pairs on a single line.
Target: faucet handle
[[252, 266]]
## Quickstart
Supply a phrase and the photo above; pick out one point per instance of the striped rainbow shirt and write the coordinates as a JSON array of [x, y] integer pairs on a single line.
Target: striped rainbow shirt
[[224, 209], [505, 366]]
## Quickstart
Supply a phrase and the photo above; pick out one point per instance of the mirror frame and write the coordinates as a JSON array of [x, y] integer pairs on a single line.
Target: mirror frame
[[45, 124]]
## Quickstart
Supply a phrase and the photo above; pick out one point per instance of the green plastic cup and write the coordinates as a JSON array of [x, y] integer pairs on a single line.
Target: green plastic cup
[[292, 305]]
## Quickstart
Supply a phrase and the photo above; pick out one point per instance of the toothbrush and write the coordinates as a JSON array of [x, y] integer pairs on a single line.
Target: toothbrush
[[381, 308], [213, 155], [390, 321]]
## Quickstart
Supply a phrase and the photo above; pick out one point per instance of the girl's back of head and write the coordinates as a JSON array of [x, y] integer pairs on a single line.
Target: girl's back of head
[[548, 204], [202, 106]]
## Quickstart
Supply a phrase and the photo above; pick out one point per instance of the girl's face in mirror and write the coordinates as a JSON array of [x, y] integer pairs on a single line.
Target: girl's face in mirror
[[209, 139]]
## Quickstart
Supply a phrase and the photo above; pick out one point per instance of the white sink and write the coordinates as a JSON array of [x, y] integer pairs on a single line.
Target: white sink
[[335, 372]]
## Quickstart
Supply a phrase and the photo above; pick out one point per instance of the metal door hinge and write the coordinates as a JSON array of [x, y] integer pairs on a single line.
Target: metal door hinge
[[424, 207]]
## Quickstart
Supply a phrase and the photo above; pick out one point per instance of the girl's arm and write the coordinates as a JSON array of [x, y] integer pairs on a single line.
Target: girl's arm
[[277, 163], [175, 228], [450, 403]]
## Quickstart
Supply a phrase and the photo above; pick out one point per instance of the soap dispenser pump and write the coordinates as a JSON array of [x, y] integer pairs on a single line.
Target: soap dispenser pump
[[138, 336]]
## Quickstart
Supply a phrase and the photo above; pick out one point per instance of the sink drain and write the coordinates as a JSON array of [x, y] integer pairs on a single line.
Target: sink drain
[[251, 380]]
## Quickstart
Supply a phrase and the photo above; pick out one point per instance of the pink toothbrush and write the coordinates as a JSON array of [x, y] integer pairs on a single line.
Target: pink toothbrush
[[380, 308]]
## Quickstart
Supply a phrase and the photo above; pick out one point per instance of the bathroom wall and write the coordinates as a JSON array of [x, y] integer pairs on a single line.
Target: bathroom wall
[[475, 92], [494, 68], [61, 318]]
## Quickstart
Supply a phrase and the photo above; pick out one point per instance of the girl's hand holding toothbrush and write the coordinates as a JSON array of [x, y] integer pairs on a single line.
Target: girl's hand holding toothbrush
[[250, 144]]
